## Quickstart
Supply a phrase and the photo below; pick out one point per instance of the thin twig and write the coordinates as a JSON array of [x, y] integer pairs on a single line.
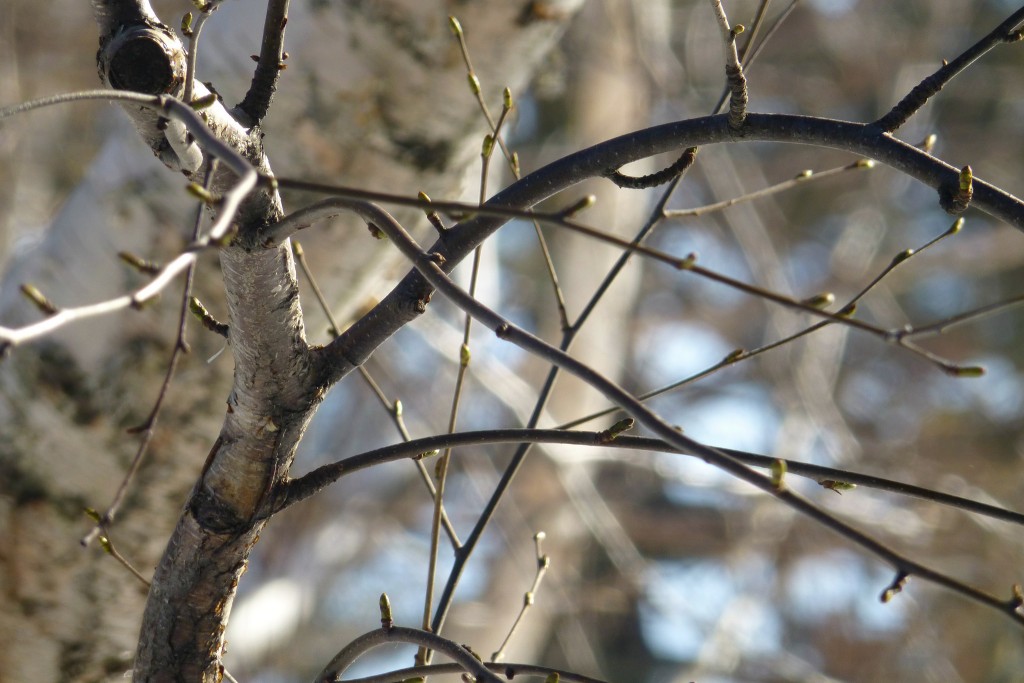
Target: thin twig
[[513, 162], [108, 547], [800, 179], [194, 30], [750, 51], [308, 485], [737, 82], [543, 563], [739, 355], [904, 567], [393, 409], [399, 634], [256, 102], [148, 428], [1007, 32]]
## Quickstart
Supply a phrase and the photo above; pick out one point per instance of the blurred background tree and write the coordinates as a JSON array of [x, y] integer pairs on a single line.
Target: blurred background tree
[[662, 568]]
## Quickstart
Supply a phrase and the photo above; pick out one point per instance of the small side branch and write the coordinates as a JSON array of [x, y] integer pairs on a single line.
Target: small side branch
[[736, 81], [399, 634], [426, 264], [1007, 32], [257, 100], [654, 179]]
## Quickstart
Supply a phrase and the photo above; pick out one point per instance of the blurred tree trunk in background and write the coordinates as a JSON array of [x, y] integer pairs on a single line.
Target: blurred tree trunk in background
[[662, 568], [375, 96]]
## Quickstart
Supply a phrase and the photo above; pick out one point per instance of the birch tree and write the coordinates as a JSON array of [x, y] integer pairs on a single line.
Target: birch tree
[[372, 126]]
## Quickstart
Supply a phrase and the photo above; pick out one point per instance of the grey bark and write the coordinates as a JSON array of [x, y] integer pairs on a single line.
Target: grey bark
[[398, 115]]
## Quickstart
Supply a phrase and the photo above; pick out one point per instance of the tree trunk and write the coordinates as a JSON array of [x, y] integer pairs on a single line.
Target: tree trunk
[[374, 96]]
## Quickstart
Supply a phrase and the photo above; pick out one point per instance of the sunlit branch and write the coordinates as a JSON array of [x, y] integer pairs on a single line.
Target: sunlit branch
[[227, 207], [179, 111], [427, 264], [393, 409], [148, 428], [803, 178], [256, 102], [297, 490], [1008, 31], [738, 355], [508, 670], [398, 634]]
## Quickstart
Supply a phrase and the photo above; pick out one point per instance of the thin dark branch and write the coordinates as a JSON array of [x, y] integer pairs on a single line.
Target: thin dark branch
[[400, 634], [654, 179], [1008, 31], [257, 100], [509, 671], [148, 428], [312, 483], [738, 355], [427, 264], [406, 301]]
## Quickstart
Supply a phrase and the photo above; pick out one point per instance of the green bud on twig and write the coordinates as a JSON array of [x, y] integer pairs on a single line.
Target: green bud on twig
[[386, 620], [902, 256], [823, 300], [584, 203], [139, 264], [778, 474], [200, 193], [205, 101], [455, 26], [895, 587], [967, 370], [33, 294]]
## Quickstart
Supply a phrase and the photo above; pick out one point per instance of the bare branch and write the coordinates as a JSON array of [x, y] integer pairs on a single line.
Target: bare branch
[[428, 265], [271, 63], [399, 634], [1006, 32]]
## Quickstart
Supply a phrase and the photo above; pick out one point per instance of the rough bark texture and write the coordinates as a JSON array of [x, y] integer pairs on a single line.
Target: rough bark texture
[[396, 115]]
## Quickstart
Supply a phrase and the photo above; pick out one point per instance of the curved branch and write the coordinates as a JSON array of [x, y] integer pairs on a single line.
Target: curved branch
[[428, 265], [1006, 32], [408, 299], [228, 207], [303, 487], [400, 634], [509, 671]]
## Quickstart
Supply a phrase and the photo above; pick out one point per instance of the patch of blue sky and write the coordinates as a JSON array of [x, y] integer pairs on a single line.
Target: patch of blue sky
[[397, 568], [998, 393], [741, 417], [685, 599], [834, 8], [839, 583], [673, 350]]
